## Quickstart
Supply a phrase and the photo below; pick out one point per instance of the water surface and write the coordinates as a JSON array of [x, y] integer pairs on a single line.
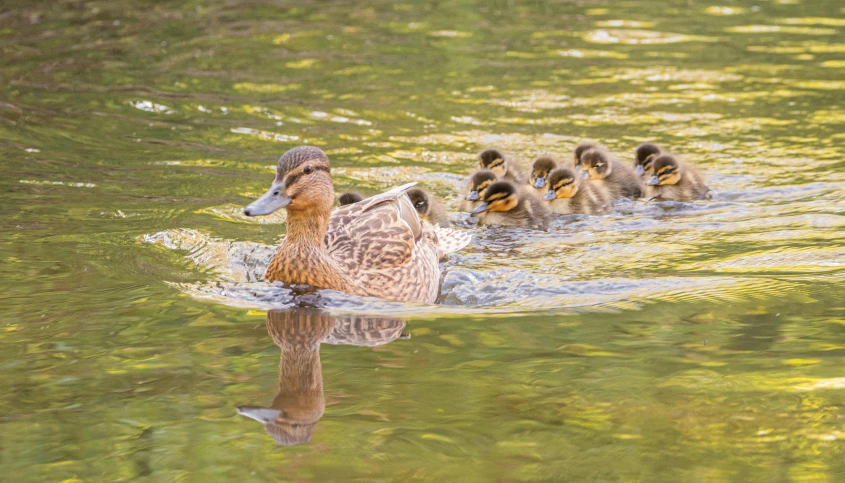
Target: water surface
[[665, 342]]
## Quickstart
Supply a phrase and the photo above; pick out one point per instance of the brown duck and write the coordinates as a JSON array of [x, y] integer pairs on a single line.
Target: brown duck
[[569, 194], [378, 247], [503, 204], [604, 168], [538, 182], [428, 207], [676, 180], [502, 167]]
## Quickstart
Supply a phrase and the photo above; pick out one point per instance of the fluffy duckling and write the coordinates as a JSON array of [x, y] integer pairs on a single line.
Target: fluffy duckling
[[604, 168], [349, 199], [539, 175], [646, 154], [676, 180], [569, 193], [502, 167], [503, 204], [478, 182], [428, 207], [579, 151]]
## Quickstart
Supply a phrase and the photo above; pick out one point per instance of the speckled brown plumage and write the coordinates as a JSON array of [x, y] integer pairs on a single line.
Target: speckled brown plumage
[[378, 247]]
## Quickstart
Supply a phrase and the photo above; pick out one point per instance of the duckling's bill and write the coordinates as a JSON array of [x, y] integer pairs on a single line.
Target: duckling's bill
[[639, 170], [654, 181], [473, 196], [480, 209], [274, 199], [541, 181]]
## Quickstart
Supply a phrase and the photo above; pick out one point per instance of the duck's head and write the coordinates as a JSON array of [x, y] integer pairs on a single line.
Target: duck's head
[[479, 182], [420, 200], [667, 171], [646, 154], [596, 162], [349, 199], [540, 171], [563, 183], [579, 152], [493, 160], [498, 197], [303, 183]]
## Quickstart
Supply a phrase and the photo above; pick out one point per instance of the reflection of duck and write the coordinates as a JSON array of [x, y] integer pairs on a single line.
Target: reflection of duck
[[377, 247], [429, 208], [501, 166], [503, 204], [605, 169], [676, 180], [538, 182], [569, 193], [300, 403]]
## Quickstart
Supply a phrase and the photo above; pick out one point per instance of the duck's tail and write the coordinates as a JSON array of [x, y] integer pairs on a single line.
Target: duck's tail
[[449, 240]]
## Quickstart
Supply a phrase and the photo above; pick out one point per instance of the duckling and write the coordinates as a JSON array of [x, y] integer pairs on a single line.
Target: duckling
[[676, 180], [619, 178], [478, 182], [579, 151], [349, 199], [646, 154], [378, 247], [539, 175], [569, 193], [503, 204], [496, 162], [428, 207]]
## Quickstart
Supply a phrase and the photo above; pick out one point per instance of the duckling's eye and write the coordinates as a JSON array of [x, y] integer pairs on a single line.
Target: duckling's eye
[[308, 169], [420, 204]]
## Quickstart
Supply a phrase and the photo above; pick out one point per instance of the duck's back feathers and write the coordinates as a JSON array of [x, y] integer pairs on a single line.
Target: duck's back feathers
[[449, 240]]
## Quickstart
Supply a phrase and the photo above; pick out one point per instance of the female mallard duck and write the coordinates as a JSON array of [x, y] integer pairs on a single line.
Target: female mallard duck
[[378, 247], [539, 176], [349, 199], [428, 207], [502, 167], [605, 169], [676, 180], [646, 154], [569, 193], [503, 204], [478, 182]]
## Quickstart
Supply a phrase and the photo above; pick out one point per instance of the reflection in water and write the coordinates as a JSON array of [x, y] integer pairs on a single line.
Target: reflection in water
[[300, 403]]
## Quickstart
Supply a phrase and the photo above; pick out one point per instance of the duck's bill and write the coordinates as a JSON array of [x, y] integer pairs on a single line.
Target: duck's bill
[[262, 415], [585, 174], [540, 182], [578, 168], [653, 181], [639, 170], [472, 196], [274, 199], [549, 196], [479, 209]]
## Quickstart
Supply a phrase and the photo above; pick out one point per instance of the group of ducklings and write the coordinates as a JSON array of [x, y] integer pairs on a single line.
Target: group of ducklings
[[498, 193]]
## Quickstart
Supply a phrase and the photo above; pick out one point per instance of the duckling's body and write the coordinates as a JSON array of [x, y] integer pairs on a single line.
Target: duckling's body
[[570, 194], [474, 188], [676, 180], [606, 170], [644, 164], [538, 181], [428, 207], [349, 198], [378, 247], [504, 168], [504, 204]]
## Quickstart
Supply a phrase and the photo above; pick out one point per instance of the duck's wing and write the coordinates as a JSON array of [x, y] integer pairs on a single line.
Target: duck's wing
[[378, 232]]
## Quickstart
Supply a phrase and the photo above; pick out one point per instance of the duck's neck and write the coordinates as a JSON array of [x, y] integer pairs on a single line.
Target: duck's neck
[[307, 228]]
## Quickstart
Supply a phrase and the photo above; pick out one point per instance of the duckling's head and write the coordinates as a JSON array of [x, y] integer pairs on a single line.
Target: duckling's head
[[493, 160], [646, 154], [596, 162], [540, 171], [579, 152], [479, 182], [303, 183], [349, 198], [562, 184], [420, 200], [667, 171], [498, 197]]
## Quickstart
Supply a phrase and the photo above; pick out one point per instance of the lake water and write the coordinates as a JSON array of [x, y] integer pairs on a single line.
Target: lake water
[[665, 342]]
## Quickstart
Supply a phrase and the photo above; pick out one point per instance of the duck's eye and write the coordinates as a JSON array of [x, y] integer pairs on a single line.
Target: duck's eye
[[420, 204], [308, 169]]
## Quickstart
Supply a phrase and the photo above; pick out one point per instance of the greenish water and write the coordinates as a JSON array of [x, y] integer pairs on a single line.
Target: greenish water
[[667, 342]]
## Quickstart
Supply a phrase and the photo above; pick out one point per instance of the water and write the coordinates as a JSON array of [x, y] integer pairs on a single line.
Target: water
[[666, 342]]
